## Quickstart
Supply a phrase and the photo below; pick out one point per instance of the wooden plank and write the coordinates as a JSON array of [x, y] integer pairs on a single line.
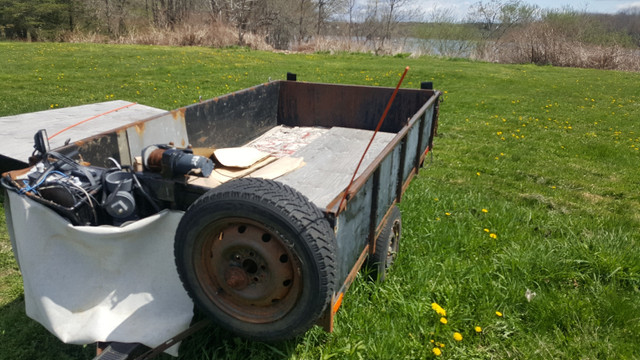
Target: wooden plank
[[331, 160]]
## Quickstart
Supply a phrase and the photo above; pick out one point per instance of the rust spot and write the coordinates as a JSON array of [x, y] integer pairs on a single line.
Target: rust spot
[[178, 114], [79, 143], [202, 140], [140, 128], [183, 143]]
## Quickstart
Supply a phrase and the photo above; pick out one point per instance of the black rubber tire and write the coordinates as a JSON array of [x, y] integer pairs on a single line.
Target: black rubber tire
[[280, 212], [387, 246]]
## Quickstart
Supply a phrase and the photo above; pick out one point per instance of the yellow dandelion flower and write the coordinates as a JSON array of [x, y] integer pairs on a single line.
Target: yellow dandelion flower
[[486, 230], [485, 210], [437, 351], [478, 173], [431, 341], [448, 214], [478, 329], [438, 309], [443, 320], [493, 236], [499, 313], [457, 336]]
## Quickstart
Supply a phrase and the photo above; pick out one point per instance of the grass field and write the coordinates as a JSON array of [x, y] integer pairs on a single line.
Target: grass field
[[533, 184]]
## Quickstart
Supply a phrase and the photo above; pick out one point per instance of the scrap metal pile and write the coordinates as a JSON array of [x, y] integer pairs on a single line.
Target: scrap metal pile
[[91, 195]]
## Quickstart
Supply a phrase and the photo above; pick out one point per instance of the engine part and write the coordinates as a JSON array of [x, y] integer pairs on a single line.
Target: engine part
[[120, 204], [171, 162]]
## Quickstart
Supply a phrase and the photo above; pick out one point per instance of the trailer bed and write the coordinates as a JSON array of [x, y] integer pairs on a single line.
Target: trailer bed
[[331, 160]]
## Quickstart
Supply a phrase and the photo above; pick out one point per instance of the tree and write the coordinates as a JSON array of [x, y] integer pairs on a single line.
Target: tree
[[32, 19], [496, 17]]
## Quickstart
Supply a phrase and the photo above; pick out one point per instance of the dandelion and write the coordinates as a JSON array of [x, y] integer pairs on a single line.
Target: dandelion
[[478, 329], [457, 336], [493, 236], [448, 214], [486, 230], [478, 173], [499, 313], [439, 309], [443, 320], [485, 210], [437, 351]]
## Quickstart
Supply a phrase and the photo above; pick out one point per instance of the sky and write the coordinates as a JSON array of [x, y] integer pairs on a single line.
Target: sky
[[459, 8]]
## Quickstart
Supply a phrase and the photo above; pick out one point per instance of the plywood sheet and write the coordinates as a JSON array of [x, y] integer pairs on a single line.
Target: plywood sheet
[[331, 160], [17, 131], [282, 141]]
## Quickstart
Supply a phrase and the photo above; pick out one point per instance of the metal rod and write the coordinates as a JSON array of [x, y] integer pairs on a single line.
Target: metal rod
[[384, 115]]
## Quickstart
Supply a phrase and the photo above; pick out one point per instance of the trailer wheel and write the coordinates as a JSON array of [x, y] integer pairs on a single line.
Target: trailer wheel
[[258, 258], [387, 245]]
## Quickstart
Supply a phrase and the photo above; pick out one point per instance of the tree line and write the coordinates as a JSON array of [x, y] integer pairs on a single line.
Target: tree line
[[280, 22], [493, 30]]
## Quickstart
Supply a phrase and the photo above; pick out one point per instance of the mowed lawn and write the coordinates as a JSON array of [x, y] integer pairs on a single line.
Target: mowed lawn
[[533, 187]]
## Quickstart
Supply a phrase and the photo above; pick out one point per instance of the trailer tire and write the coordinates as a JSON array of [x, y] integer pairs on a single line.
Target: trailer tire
[[387, 246], [258, 258]]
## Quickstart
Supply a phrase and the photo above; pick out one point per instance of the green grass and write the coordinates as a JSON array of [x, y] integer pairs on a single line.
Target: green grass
[[551, 155]]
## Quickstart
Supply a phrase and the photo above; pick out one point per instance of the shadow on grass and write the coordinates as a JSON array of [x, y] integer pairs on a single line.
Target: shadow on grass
[[24, 338], [214, 342]]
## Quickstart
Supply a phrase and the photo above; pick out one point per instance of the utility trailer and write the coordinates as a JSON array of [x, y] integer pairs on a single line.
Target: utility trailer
[[264, 256]]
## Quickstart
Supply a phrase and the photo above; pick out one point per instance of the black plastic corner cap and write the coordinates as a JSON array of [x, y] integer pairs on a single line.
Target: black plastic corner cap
[[426, 85], [292, 77]]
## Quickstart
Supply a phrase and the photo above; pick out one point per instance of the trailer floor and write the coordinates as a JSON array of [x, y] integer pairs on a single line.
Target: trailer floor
[[331, 156]]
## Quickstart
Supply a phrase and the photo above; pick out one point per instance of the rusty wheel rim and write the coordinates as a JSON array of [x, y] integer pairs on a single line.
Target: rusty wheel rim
[[247, 270]]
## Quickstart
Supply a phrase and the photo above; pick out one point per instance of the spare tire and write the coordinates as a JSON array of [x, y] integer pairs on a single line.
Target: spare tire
[[258, 258]]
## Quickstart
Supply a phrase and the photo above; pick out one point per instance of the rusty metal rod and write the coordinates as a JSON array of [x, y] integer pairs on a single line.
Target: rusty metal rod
[[384, 115]]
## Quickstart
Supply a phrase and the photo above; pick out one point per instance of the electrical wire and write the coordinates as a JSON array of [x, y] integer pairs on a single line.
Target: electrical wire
[[32, 188], [93, 209]]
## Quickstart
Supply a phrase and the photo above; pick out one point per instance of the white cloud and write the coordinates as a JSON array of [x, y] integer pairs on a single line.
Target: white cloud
[[628, 5]]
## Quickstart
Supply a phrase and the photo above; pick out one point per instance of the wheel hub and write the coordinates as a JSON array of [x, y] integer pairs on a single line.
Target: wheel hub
[[248, 271]]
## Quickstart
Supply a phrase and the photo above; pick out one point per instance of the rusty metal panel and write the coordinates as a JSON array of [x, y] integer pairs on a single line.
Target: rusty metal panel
[[168, 128], [234, 119], [410, 157], [360, 107], [427, 129], [353, 230], [389, 169], [123, 148], [95, 150]]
